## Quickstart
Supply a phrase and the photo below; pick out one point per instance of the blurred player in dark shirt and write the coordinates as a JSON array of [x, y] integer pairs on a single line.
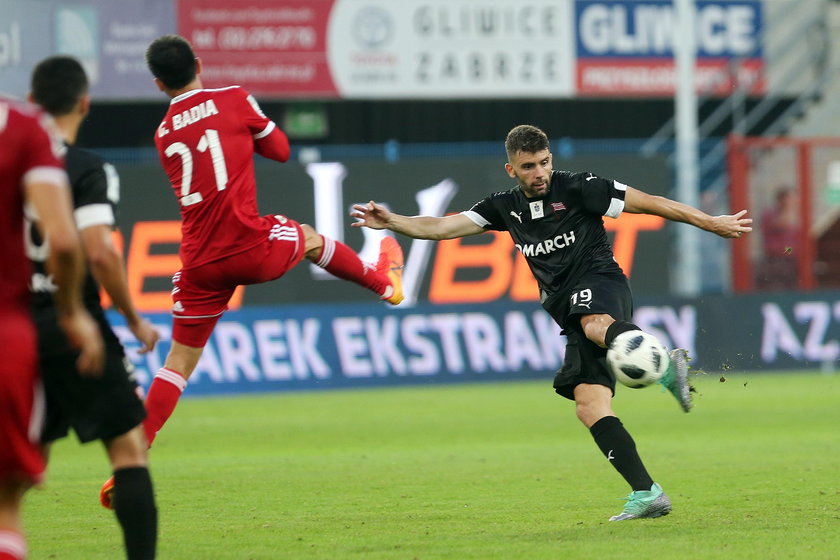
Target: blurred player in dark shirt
[[555, 218]]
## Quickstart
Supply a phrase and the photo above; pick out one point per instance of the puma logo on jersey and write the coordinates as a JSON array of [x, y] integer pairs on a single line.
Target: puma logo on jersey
[[517, 215], [194, 114], [548, 246]]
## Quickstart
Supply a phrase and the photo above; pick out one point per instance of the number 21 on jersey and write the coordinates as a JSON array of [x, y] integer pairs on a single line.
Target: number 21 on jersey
[[209, 140]]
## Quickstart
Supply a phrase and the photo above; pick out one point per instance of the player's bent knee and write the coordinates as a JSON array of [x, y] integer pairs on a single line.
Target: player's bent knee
[[313, 242], [592, 402]]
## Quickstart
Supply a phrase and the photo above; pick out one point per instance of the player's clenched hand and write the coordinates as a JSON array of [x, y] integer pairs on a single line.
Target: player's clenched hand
[[731, 225], [83, 334], [145, 333], [372, 215]]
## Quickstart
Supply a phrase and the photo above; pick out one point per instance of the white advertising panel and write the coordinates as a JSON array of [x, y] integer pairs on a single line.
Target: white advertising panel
[[444, 49]]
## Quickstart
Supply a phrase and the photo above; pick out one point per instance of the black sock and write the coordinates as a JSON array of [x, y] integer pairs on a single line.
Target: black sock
[[618, 446], [134, 504], [616, 329]]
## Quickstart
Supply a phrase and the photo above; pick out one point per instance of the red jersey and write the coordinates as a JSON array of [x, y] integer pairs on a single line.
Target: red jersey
[[30, 152], [206, 143]]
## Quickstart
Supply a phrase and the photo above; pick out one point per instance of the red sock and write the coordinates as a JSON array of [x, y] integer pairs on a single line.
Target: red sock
[[163, 396], [340, 260], [12, 545]]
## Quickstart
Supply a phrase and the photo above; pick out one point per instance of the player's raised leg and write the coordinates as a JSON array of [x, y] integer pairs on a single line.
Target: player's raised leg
[[384, 279], [675, 378], [391, 265]]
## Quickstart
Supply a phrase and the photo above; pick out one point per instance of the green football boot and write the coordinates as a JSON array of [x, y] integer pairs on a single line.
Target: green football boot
[[676, 378], [645, 504]]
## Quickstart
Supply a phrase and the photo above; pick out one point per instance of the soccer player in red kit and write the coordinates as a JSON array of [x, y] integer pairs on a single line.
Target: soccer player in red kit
[[32, 173], [206, 143]]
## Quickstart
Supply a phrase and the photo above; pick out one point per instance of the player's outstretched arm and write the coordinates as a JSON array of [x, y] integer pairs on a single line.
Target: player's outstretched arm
[[107, 266], [376, 216], [728, 225]]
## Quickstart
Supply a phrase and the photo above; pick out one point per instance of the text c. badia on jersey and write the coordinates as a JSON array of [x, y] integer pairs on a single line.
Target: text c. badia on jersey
[[548, 246], [192, 115]]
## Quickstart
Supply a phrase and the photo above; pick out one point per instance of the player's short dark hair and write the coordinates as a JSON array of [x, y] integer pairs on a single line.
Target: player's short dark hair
[[525, 138], [172, 61], [58, 83]]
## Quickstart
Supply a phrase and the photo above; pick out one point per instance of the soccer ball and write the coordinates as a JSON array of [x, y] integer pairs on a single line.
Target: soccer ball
[[637, 359]]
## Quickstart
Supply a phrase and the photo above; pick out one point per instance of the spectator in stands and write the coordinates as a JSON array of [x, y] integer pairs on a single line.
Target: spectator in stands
[[780, 233]]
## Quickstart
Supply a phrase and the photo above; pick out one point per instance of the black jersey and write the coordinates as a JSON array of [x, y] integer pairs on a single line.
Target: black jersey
[[95, 187], [561, 234]]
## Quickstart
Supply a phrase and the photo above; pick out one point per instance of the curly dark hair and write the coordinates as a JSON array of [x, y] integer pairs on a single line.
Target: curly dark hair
[[172, 61], [525, 138]]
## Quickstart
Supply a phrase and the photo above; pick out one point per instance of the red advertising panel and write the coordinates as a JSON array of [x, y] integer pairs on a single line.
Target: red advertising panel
[[274, 48]]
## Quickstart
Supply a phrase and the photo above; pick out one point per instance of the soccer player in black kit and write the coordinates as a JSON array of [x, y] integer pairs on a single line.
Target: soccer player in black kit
[[107, 407], [556, 221]]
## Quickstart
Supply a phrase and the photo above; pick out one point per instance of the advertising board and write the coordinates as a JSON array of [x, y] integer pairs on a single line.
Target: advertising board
[[478, 269], [319, 346], [626, 47], [381, 49]]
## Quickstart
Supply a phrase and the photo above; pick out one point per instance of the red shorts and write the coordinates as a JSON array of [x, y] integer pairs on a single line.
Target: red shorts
[[201, 294], [21, 401]]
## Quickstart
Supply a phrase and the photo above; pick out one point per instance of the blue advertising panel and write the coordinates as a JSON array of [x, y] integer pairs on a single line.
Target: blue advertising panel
[[362, 345], [645, 28], [626, 47], [280, 348]]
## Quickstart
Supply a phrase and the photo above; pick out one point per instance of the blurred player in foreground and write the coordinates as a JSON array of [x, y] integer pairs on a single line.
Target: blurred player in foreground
[[107, 408], [555, 220], [31, 173], [206, 143]]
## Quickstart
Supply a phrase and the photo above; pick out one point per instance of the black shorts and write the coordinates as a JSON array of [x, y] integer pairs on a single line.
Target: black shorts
[[585, 361], [96, 408]]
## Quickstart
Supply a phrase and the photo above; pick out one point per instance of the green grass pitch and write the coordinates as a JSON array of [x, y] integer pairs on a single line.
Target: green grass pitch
[[478, 471]]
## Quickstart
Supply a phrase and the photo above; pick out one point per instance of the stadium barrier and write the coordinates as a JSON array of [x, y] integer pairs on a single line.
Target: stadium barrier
[[312, 347]]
